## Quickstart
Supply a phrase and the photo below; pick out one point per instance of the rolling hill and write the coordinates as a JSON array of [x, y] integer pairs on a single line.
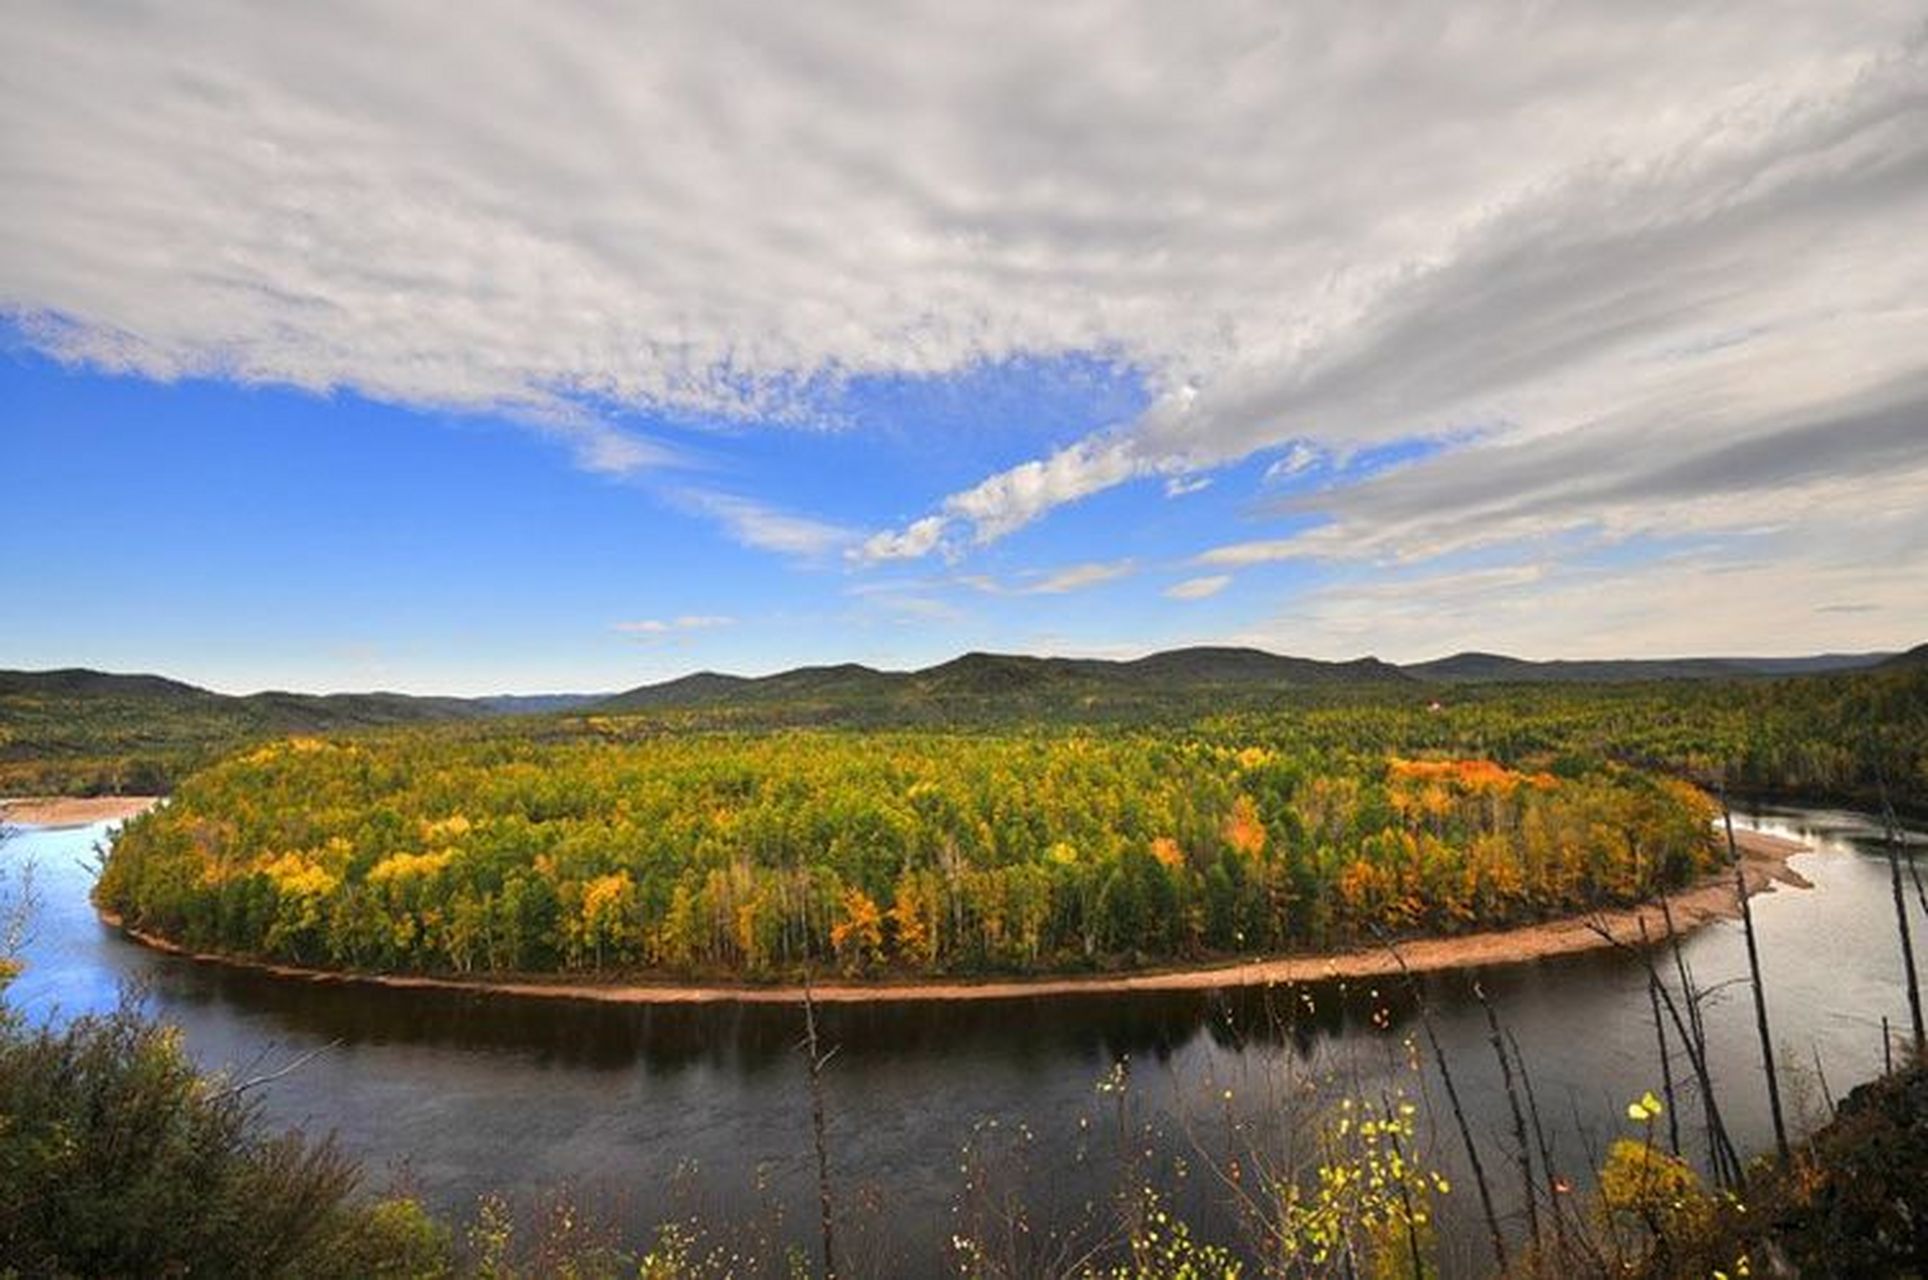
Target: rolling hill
[[1016, 680], [78, 730], [1020, 678], [1913, 660]]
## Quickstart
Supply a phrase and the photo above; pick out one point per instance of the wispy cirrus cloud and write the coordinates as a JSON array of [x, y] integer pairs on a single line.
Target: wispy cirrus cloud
[[1198, 588], [1045, 582], [766, 528], [665, 626], [1077, 577]]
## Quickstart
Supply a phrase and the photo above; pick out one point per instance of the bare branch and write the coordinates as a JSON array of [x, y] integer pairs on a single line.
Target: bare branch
[[255, 1082]]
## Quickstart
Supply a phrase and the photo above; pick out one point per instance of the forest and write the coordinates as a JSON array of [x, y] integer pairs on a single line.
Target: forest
[[659, 843], [763, 855]]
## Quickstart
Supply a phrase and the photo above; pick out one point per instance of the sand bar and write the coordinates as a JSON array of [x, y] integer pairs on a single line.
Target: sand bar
[[72, 811]]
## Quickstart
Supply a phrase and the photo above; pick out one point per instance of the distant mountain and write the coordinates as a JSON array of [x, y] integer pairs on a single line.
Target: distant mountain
[[296, 712], [991, 674], [79, 682], [702, 687], [1819, 664], [1470, 668], [1912, 660], [844, 679], [328, 710], [1212, 665], [84, 731], [1024, 683], [1016, 679], [80, 692], [532, 704], [972, 676]]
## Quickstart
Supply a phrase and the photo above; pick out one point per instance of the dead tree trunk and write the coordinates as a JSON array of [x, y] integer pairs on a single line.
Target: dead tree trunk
[[1666, 1054], [818, 1060], [1554, 1191], [1720, 1149], [1760, 992], [1893, 842], [1527, 1188], [1493, 1231], [1725, 1160]]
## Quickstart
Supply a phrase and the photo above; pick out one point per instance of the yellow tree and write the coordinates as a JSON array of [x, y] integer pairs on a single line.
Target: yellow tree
[[608, 909], [859, 935]]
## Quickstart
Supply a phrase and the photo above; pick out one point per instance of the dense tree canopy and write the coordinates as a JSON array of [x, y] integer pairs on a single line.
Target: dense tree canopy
[[758, 855]]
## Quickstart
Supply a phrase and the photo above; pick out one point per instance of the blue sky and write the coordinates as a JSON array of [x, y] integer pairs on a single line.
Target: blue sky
[[1576, 333], [258, 537]]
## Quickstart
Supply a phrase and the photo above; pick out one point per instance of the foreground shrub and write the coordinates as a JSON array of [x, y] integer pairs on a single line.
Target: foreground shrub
[[1856, 1200], [117, 1158]]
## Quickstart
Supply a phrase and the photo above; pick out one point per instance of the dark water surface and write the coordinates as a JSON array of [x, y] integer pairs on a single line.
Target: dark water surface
[[649, 1112]]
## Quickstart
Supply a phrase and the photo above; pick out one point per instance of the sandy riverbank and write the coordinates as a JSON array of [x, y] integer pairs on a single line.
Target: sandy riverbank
[[72, 811], [1764, 862]]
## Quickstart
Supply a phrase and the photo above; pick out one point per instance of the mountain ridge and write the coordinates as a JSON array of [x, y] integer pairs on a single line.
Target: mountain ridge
[[982, 674], [974, 673], [1908, 660]]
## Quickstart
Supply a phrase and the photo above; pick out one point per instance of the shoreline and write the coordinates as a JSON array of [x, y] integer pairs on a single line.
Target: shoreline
[[72, 811], [1764, 863]]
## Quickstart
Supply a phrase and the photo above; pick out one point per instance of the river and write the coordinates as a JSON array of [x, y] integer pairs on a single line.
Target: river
[[649, 1113]]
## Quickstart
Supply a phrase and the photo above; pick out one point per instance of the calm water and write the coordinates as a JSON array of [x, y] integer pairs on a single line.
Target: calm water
[[646, 1113]]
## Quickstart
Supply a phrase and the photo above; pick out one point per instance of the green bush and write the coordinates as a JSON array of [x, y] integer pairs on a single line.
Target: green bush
[[118, 1159]]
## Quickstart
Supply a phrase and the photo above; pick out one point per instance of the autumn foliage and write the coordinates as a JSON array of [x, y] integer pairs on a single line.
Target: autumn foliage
[[765, 855]]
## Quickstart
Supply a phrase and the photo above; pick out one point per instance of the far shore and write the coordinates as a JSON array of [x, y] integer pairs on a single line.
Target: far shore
[[1764, 863], [72, 811]]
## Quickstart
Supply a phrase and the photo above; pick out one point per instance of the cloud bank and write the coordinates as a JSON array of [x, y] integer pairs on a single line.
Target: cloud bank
[[1647, 266]]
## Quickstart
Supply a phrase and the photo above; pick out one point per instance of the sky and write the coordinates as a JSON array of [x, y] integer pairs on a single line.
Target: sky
[[574, 346]]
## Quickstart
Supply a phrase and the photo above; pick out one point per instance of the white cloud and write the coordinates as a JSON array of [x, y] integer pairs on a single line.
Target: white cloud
[[598, 447], [1199, 588], [909, 608], [1618, 242], [664, 626], [1179, 486], [919, 539], [905, 599], [765, 528], [1077, 577], [1261, 551], [1046, 582], [1012, 499], [1298, 459], [1825, 465]]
